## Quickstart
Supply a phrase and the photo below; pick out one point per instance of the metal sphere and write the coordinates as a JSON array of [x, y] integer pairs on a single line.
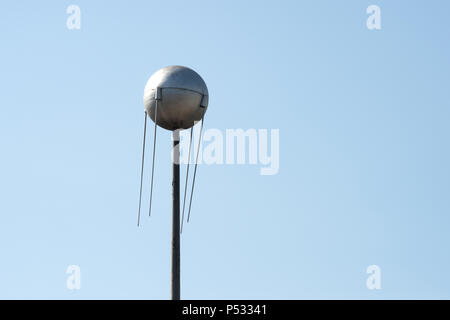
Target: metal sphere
[[181, 96]]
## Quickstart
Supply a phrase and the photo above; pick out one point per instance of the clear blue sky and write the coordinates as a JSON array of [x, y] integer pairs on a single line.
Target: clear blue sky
[[364, 159]]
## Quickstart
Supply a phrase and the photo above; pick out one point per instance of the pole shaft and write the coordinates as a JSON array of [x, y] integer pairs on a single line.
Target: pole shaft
[[176, 218]]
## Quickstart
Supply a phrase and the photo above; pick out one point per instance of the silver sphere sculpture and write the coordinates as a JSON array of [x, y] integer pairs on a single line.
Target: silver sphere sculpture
[[179, 93]]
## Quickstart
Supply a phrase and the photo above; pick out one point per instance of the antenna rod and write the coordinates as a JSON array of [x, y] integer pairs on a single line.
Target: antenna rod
[[195, 167], [153, 161], [187, 178], [176, 217], [142, 168]]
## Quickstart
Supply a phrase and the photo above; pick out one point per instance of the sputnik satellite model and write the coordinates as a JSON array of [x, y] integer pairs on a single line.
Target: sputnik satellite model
[[175, 98]]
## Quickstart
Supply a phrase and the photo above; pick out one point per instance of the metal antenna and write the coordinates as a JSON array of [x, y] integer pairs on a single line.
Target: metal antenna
[[142, 168], [187, 176], [184, 103], [195, 168], [153, 161]]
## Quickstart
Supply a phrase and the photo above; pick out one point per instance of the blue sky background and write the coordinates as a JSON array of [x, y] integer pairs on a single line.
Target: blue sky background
[[364, 159]]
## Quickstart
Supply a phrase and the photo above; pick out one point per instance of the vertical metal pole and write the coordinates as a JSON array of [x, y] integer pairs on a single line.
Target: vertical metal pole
[[176, 218]]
